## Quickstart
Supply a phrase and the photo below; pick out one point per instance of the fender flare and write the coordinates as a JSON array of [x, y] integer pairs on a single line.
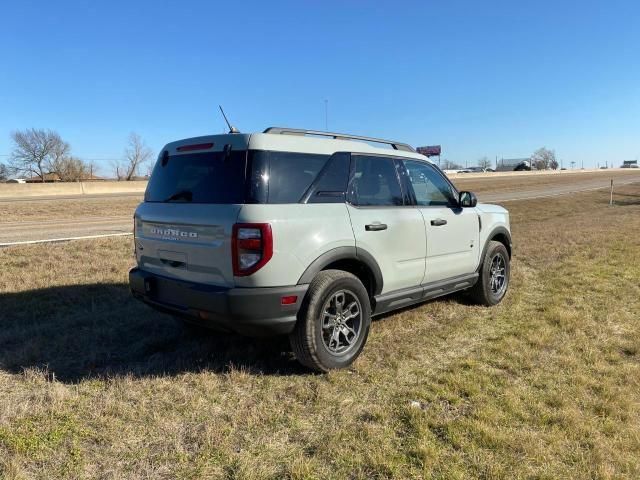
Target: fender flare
[[344, 253], [496, 231]]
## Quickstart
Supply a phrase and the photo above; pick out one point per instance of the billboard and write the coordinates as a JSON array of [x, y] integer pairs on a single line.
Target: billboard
[[429, 151]]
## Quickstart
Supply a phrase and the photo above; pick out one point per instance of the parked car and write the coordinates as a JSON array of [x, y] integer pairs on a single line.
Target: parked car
[[309, 234]]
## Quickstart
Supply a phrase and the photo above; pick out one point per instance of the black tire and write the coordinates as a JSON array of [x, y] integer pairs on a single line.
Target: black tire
[[322, 349], [484, 292]]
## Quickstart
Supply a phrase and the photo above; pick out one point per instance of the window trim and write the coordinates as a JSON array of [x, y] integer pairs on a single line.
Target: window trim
[[352, 171]]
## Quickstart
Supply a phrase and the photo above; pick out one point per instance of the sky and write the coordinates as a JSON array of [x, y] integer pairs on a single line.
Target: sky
[[491, 78]]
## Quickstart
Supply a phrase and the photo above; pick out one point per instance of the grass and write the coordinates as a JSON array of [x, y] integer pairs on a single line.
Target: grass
[[489, 184], [546, 385]]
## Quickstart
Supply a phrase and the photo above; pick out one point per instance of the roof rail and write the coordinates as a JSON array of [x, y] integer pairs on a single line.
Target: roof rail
[[341, 136]]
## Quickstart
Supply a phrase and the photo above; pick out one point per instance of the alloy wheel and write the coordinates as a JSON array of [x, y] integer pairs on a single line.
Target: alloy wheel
[[341, 322]]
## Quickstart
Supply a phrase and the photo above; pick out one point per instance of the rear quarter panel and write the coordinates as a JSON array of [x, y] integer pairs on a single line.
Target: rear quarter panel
[[301, 233]]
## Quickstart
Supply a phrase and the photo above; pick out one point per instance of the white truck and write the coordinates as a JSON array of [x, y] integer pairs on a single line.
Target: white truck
[[309, 234]]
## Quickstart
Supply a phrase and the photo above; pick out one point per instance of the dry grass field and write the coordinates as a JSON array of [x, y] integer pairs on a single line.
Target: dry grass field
[[489, 184], [546, 385], [66, 208]]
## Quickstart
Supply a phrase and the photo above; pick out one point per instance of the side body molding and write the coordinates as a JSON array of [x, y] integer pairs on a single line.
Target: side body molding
[[344, 253]]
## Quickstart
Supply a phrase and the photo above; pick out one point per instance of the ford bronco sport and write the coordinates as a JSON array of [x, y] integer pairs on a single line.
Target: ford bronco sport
[[309, 234]]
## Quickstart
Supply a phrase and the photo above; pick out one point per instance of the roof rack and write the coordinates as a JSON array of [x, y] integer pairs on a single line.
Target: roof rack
[[341, 136]]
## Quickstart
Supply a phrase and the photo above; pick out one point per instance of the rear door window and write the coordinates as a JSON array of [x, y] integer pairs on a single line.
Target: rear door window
[[375, 182], [331, 184], [208, 177]]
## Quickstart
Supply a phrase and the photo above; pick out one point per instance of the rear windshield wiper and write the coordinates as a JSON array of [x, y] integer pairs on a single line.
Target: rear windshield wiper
[[186, 195]]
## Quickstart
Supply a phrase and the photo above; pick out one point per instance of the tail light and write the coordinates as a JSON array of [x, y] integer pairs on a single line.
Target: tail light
[[252, 247]]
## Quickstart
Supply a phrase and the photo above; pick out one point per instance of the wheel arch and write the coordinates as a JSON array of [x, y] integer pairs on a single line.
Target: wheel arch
[[498, 234], [359, 262]]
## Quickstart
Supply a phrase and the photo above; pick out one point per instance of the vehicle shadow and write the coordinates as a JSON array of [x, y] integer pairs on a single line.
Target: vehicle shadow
[[85, 331]]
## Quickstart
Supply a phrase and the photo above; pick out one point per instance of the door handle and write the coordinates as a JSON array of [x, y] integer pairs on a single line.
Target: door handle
[[375, 227], [438, 222], [173, 263]]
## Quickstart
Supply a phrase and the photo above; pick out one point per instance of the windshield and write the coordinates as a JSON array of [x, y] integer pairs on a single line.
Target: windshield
[[208, 177]]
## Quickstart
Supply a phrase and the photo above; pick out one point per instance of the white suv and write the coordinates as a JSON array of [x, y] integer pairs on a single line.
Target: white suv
[[309, 234]]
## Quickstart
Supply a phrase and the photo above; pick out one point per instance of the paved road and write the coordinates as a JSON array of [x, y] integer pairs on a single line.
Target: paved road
[[89, 227], [33, 231], [542, 191]]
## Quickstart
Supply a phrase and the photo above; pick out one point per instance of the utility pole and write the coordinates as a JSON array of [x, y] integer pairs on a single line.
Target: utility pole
[[611, 197]]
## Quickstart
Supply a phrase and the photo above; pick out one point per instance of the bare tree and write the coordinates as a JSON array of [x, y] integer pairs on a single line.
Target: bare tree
[[71, 169], [92, 169], [449, 165], [543, 158], [553, 164], [484, 162], [136, 155], [4, 172], [36, 151]]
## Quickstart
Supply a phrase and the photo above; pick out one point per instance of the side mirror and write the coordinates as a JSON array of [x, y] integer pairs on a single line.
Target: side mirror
[[467, 199]]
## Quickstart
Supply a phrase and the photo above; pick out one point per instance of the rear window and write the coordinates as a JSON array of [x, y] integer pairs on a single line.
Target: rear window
[[208, 177], [255, 176]]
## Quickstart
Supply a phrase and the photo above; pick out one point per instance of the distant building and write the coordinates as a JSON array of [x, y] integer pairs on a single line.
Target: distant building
[[513, 164], [92, 178], [54, 178], [48, 178], [630, 164]]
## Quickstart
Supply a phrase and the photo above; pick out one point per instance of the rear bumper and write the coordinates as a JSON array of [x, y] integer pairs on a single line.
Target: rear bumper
[[248, 311]]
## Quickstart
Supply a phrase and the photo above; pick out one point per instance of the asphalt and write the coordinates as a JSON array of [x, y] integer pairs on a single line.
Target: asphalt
[[92, 227], [29, 232], [542, 191]]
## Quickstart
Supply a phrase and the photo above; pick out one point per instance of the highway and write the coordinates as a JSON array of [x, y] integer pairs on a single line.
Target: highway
[[543, 191], [36, 231]]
